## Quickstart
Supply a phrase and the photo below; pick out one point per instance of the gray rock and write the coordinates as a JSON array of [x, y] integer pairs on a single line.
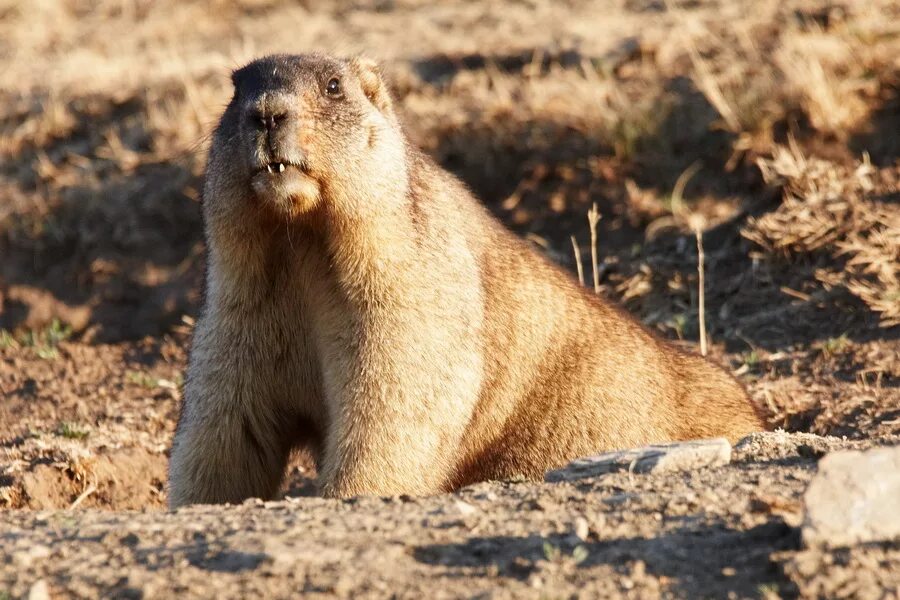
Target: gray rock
[[854, 498], [677, 456]]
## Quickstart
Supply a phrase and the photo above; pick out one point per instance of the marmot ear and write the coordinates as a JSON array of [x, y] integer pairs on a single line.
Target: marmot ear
[[373, 85]]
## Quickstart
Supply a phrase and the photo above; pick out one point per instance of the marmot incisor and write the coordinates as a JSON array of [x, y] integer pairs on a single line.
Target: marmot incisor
[[360, 302]]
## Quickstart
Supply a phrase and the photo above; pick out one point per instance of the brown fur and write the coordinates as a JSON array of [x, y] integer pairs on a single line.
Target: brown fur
[[366, 306]]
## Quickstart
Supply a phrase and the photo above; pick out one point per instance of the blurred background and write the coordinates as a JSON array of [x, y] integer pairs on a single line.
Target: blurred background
[[772, 127]]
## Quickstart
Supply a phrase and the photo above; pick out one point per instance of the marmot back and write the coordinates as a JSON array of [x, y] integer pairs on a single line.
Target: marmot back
[[361, 303]]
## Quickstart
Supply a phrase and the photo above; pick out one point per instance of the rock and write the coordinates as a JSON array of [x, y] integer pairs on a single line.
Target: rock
[[677, 456], [464, 508], [39, 590], [854, 498], [581, 529]]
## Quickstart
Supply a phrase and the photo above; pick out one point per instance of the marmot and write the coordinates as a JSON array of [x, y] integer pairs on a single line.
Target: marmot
[[361, 303]]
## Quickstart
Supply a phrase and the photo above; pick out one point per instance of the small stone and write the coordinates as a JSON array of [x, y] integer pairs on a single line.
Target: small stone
[[39, 590], [660, 458], [581, 529], [854, 498], [464, 508]]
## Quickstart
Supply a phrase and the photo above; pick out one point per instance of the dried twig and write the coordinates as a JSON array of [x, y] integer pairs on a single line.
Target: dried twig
[[701, 289], [578, 261], [678, 190], [593, 219], [87, 492]]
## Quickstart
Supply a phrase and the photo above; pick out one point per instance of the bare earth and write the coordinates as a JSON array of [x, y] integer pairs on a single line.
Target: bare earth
[[772, 130], [715, 532]]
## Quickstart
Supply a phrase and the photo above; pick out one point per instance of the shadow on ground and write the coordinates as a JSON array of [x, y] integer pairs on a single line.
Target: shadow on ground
[[693, 560]]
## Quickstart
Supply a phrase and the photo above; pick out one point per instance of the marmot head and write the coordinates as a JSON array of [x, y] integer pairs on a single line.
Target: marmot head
[[300, 131]]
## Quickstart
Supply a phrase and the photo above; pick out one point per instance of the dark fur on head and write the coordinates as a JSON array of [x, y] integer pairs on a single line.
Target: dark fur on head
[[284, 116]]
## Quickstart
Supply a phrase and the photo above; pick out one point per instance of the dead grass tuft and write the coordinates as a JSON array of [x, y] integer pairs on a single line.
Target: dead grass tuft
[[829, 208], [758, 75], [823, 74]]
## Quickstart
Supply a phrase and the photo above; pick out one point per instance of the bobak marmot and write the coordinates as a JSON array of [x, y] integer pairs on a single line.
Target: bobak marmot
[[362, 304]]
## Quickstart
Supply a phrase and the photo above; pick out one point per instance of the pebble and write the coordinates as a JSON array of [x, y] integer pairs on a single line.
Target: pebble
[[464, 508], [581, 528], [39, 590]]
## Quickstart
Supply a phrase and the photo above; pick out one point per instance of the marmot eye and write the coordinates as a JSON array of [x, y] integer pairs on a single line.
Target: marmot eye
[[333, 88]]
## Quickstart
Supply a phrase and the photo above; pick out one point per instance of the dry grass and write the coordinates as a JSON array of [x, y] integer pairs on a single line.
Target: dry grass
[[830, 208], [816, 60], [825, 77]]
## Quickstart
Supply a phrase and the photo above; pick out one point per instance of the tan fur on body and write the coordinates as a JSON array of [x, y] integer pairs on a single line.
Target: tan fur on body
[[363, 304]]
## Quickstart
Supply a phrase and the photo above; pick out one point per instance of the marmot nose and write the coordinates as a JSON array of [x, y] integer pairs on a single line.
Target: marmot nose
[[270, 122]]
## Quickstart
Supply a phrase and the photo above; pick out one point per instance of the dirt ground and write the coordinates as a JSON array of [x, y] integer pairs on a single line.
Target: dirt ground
[[773, 131], [716, 532]]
